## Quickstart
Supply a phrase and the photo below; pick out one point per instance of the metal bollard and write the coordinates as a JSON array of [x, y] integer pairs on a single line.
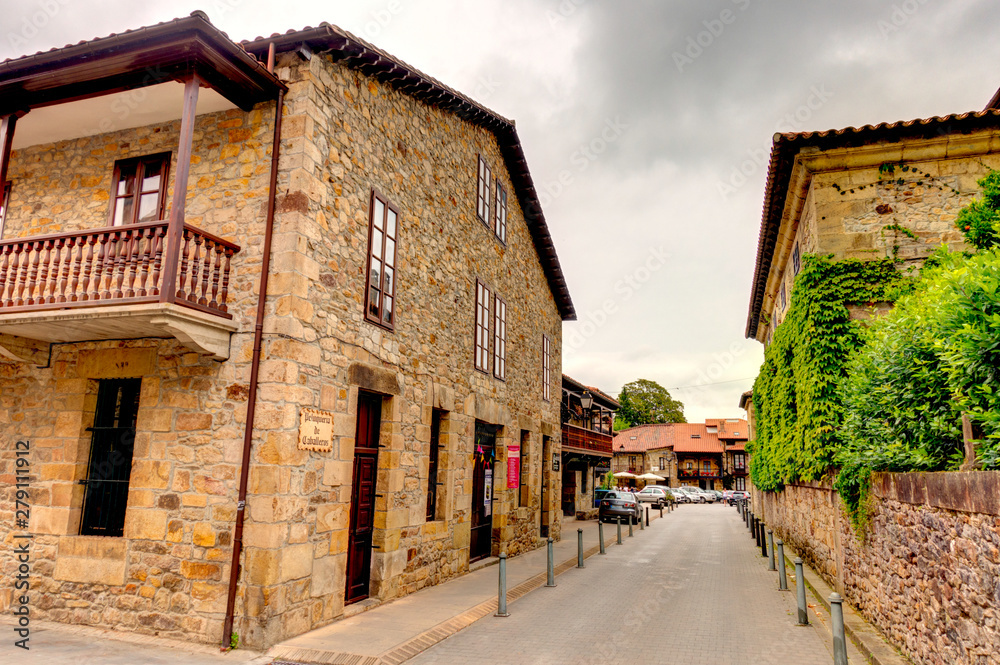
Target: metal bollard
[[763, 540], [502, 590], [770, 547], [630, 527], [600, 535], [579, 548], [647, 515], [551, 568], [782, 580], [619, 530], [661, 512], [837, 618], [800, 589], [642, 525]]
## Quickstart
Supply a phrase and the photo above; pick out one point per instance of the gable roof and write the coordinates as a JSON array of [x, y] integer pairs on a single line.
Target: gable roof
[[785, 149], [695, 438], [362, 56], [642, 438]]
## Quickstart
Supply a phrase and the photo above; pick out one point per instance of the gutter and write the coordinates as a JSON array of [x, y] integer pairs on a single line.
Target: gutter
[[234, 569]]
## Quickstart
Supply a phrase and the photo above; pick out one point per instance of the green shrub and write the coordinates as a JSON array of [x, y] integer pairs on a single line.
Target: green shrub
[[980, 220]]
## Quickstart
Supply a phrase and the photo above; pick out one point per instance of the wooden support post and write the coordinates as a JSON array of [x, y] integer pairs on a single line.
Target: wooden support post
[[175, 225]]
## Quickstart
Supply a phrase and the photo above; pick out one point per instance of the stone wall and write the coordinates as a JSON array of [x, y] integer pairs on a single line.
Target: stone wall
[[926, 572]]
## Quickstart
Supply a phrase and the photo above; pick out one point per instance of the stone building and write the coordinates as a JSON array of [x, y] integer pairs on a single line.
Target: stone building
[[892, 190], [588, 417], [265, 364]]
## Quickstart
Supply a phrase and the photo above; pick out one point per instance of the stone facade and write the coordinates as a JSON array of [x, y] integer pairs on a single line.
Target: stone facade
[[343, 136], [926, 572]]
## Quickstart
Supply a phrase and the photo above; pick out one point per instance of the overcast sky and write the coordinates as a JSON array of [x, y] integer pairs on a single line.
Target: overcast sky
[[646, 126]]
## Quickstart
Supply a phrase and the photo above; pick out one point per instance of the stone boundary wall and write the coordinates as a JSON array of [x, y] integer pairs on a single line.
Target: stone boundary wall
[[927, 572]]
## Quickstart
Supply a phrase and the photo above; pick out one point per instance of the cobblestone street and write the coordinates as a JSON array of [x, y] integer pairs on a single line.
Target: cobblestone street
[[692, 590]]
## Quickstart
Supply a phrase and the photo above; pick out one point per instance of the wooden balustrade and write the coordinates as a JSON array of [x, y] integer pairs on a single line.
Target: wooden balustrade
[[585, 439], [115, 265]]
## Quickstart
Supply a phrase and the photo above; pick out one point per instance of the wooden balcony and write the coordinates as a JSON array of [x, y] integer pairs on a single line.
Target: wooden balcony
[[111, 283], [697, 473], [580, 440]]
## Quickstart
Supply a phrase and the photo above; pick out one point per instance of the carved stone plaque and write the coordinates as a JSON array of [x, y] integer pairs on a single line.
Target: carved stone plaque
[[316, 430]]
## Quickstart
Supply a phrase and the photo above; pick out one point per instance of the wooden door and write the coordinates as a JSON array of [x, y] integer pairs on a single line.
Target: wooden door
[[569, 492], [543, 478], [481, 536], [359, 548]]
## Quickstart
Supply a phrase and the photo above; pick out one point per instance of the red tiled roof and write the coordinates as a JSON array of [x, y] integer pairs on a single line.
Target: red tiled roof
[[695, 438], [787, 146], [734, 429], [642, 438]]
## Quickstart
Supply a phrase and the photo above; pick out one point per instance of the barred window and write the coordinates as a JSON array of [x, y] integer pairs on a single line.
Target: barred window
[[501, 213], [485, 181], [380, 291], [499, 338], [482, 327]]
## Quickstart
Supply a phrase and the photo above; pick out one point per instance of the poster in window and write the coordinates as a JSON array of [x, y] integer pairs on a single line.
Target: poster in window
[[513, 467], [488, 493]]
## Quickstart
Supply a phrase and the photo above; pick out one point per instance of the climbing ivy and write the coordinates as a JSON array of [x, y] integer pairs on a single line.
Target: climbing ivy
[[797, 410]]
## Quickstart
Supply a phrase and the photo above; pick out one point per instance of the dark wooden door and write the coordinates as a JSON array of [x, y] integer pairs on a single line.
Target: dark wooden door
[[569, 492], [481, 536], [359, 548]]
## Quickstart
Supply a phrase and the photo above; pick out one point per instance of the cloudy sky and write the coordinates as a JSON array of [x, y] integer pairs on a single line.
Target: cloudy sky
[[646, 125]]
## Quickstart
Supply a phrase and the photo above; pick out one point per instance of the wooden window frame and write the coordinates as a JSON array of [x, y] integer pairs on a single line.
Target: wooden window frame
[[484, 186], [784, 297], [4, 205], [500, 215], [499, 338], [481, 337], [433, 464], [134, 163], [378, 318], [796, 260], [546, 368]]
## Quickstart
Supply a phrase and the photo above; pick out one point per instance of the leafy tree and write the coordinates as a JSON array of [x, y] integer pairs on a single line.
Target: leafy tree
[[980, 220], [644, 402]]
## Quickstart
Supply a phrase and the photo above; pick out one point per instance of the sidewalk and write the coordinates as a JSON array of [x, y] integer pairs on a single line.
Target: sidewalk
[[396, 631]]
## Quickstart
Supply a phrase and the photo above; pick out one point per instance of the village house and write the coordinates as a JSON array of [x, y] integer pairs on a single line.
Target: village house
[[588, 417], [280, 325], [891, 190]]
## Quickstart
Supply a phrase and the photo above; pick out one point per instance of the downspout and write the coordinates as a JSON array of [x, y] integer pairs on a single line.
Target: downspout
[[234, 572]]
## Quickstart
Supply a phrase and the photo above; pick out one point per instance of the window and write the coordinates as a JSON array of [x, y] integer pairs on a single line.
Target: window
[[689, 465], [522, 482], [545, 368], [380, 295], [501, 213], [432, 465], [482, 327], [139, 189], [663, 463], [499, 338], [706, 465], [739, 461], [4, 202], [110, 464], [484, 180], [796, 260], [783, 299]]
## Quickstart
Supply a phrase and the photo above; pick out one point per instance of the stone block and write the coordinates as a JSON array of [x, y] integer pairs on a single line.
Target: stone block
[[328, 576], [91, 560], [145, 524], [332, 516], [199, 570], [148, 474], [296, 562], [116, 363], [262, 566], [203, 535], [337, 473], [208, 596], [264, 535], [54, 521]]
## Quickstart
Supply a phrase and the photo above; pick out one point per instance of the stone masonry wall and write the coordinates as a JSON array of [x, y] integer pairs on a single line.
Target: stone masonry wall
[[926, 572]]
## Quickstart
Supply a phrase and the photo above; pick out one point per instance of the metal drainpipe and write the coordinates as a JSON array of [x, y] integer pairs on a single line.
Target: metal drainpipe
[[234, 572]]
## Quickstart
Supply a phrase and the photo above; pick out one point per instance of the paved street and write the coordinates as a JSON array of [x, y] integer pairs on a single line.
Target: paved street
[[693, 590]]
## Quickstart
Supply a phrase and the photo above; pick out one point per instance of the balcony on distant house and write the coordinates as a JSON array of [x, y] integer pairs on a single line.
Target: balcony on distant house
[[586, 441]]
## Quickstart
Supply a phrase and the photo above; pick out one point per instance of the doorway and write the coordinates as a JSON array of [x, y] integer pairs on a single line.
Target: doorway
[[568, 491], [359, 548], [484, 453], [543, 479]]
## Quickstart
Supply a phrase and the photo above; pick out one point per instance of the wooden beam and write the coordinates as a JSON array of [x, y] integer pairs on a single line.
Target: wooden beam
[[175, 225], [7, 124]]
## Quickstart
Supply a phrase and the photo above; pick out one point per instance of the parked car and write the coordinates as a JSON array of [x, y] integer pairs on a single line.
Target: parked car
[[717, 493], [655, 495], [739, 495], [619, 504], [598, 495], [683, 495], [701, 496]]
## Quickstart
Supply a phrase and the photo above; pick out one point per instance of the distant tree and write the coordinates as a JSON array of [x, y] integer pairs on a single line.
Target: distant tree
[[644, 402]]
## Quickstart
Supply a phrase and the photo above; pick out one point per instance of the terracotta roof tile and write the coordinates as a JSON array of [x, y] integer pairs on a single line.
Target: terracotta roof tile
[[642, 438]]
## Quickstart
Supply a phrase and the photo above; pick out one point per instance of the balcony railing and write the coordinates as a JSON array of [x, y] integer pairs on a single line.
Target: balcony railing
[[586, 440], [697, 473], [118, 265]]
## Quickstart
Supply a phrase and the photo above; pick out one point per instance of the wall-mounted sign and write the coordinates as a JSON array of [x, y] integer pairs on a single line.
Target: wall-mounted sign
[[555, 463], [513, 467], [316, 430]]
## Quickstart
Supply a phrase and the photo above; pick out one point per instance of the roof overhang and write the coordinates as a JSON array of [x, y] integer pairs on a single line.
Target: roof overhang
[[785, 151], [156, 54], [372, 61]]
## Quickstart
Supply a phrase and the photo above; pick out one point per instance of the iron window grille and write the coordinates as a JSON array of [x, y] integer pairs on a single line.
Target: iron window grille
[[110, 465], [380, 291], [139, 189]]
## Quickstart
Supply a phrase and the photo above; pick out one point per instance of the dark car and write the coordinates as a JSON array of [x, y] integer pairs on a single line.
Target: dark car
[[598, 495], [619, 504]]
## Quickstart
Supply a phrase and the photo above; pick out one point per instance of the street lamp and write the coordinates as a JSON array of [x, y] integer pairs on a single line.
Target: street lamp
[[586, 400]]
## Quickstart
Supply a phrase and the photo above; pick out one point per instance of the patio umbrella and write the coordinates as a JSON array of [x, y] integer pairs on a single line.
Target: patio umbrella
[[650, 476], [624, 474]]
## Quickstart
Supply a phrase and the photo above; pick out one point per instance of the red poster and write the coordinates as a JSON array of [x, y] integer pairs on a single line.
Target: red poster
[[513, 466]]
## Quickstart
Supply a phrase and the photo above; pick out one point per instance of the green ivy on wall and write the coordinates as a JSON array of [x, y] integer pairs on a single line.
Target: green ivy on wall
[[798, 412]]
